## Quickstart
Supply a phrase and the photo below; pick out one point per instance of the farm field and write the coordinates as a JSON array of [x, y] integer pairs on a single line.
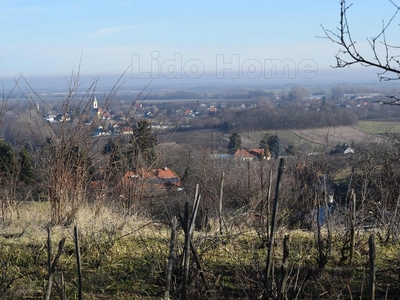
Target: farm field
[[332, 136], [380, 126], [310, 138]]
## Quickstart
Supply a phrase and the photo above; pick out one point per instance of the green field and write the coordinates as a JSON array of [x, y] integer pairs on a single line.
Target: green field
[[379, 126]]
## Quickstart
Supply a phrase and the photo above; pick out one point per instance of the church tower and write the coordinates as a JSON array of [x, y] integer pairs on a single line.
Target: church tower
[[94, 103]]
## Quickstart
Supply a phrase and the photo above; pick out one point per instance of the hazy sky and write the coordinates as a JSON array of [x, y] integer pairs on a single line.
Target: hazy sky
[[162, 38]]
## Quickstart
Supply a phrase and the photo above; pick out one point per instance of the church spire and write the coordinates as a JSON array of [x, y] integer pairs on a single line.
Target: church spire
[[94, 102]]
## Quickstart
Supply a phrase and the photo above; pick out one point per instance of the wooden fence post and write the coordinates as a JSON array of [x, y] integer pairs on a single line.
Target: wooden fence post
[[63, 292], [78, 262], [221, 190], [49, 252], [273, 223], [171, 258], [372, 276], [194, 210], [268, 204], [284, 273], [186, 251], [352, 225]]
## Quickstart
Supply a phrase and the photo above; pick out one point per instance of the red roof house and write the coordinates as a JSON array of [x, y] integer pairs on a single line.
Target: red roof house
[[243, 154], [159, 178]]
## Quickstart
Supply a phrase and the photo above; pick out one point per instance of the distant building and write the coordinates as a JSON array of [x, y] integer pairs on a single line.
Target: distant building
[[260, 153], [155, 178], [51, 118], [95, 104], [343, 149], [317, 97], [348, 150], [252, 153], [243, 155]]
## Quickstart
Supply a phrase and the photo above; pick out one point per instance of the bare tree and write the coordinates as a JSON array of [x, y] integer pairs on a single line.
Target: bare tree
[[382, 53], [67, 150]]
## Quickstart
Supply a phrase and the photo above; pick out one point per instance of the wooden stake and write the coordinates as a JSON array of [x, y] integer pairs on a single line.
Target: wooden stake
[[221, 191], [372, 275], [186, 251], [78, 262], [171, 258], [352, 226], [273, 223], [284, 273], [49, 252], [268, 201]]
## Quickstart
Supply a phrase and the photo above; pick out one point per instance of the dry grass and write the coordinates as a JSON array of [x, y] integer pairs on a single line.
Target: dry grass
[[331, 136], [125, 258], [115, 250], [32, 218]]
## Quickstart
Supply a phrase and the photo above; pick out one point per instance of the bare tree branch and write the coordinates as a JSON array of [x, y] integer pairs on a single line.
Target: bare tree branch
[[349, 54]]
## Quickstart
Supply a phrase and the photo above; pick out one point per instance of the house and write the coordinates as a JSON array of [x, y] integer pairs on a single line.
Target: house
[[252, 153], [63, 117], [100, 131], [317, 97], [155, 178], [342, 149], [243, 155], [260, 153], [51, 118], [127, 130], [348, 150]]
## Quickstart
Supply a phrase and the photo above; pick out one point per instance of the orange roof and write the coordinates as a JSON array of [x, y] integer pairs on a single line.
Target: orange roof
[[260, 152], [242, 153], [166, 173], [159, 177]]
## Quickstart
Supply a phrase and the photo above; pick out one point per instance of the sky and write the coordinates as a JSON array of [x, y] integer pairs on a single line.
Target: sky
[[193, 40]]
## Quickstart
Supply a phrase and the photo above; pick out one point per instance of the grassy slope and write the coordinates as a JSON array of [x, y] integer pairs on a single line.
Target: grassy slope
[[125, 258]]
